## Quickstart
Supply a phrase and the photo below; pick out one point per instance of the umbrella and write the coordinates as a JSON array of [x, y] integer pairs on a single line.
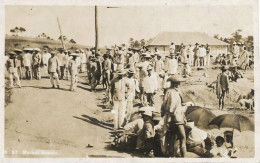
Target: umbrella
[[235, 121], [200, 116]]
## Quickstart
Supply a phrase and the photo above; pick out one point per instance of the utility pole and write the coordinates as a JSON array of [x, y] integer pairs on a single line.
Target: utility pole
[[96, 29], [62, 42]]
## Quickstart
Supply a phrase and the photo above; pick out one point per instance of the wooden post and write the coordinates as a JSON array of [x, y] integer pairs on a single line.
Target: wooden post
[[96, 29], [62, 43]]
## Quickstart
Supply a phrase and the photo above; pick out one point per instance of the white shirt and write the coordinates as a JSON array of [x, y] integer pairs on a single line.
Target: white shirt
[[60, 57], [150, 83], [27, 59], [171, 66], [45, 58], [202, 52]]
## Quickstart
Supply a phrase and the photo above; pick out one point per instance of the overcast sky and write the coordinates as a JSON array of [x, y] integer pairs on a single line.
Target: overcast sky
[[117, 25]]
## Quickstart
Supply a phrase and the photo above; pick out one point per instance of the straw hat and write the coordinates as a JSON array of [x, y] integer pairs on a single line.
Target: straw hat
[[148, 113], [175, 79], [156, 116]]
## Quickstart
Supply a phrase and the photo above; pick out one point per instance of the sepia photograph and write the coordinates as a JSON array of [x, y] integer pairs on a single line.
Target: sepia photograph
[[110, 81]]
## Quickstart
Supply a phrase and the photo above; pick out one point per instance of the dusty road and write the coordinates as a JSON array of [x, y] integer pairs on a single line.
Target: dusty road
[[57, 121]]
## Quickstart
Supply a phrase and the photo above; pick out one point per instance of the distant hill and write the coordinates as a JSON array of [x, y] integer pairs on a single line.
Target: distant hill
[[12, 42]]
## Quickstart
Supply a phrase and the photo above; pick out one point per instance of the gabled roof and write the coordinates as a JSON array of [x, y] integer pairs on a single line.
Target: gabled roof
[[165, 38]]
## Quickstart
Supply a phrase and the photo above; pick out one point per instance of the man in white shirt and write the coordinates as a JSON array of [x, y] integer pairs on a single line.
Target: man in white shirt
[[172, 48], [202, 55], [45, 59], [66, 59], [60, 57], [150, 85], [27, 61], [171, 65]]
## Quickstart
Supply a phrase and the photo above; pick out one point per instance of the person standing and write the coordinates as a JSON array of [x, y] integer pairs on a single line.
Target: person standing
[[60, 57], [73, 69], [159, 69], [53, 68], [66, 59], [183, 53], [202, 55], [93, 73], [172, 48], [11, 65], [196, 53], [45, 59], [189, 53], [99, 68], [27, 59], [174, 118], [130, 92], [150, 85], [20, 63], [36, 63], [222, 87], [107, 70], [171, 65], [207, 55], [118, 90]]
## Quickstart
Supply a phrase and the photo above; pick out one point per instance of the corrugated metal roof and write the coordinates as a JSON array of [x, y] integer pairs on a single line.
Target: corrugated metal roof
[[165, 38]]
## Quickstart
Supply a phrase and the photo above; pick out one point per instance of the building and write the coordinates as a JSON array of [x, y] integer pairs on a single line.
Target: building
[[163, 40]]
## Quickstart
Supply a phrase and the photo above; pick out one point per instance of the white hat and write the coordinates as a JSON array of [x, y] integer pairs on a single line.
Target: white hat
[[148, 113], [37, 49]]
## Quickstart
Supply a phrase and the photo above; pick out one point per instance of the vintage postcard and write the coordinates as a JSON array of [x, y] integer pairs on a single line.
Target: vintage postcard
[[157, 82]]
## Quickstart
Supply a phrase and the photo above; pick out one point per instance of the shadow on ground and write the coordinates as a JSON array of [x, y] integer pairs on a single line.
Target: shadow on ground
[[95, 121]]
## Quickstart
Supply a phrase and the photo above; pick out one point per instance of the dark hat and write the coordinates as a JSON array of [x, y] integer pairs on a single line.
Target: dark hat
[[18, 50], [224, 67], [131, 70], [196, 43], [121, 72], [156, 116], [105, 55], [175, 79]]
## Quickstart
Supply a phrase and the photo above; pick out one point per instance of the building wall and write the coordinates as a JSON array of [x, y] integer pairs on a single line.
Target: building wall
[[215, 49]]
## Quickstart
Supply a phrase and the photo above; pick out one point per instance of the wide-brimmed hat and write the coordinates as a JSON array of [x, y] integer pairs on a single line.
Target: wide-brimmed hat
[[37, 49], [225, 67], [143, 54], [77, 51], [175, 79], [171, 54], [185, 62], [148, 113], [11, 53], [149, 67], [131, 70], [27, 49], [18, 50], [196, 43], [130, 52], [74, 54], [53, 52], [105, 55], [156, 116], [121, 72]]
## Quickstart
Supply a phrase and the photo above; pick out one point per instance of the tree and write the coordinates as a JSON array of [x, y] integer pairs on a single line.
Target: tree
[[131, 42], [136, 44], [22, 30], [64, 38], [72, 41], [237, 36], [142, 42], [216, 36]]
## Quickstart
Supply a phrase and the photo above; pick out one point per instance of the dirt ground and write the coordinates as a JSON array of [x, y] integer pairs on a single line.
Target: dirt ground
[[45, 122]]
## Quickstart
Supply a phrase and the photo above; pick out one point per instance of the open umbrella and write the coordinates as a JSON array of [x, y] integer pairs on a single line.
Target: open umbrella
[[235, 121], [200, 116]]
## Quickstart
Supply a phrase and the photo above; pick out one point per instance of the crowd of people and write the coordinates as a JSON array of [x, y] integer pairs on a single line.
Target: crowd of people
[[129, 74]]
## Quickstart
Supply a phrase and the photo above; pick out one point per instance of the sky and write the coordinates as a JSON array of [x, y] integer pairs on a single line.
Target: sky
[[117, 25]]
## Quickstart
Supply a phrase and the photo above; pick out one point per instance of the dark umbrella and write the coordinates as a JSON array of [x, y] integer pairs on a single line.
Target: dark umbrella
[[235, 121], [200, 116]]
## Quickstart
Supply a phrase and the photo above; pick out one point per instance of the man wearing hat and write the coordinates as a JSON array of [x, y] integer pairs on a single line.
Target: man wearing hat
[[183, 54], [53, 69], [45, 59], [207, 59], [130, 92], [118, 90], [60, 57], [36, 58], [222, 86], [159, 69], [20, 62], [107, 70], [173, 113], [92, 73], [171, 66], [130, 60], [119, 60], [27, 61], [196, 55], [11, 65], [99, 68], [73, 69], [172, 48], [202, 54], [66, 59], [150, 84], [186, 72]]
